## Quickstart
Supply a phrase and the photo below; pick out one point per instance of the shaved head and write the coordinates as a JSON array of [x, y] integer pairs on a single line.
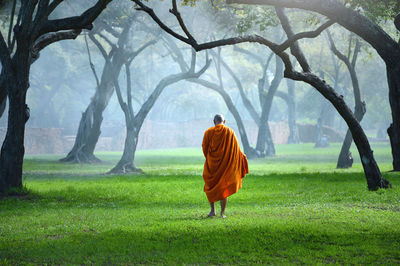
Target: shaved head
[[218, 119]]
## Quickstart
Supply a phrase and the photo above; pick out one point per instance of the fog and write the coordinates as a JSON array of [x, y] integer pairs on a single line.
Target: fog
[[62, 83]]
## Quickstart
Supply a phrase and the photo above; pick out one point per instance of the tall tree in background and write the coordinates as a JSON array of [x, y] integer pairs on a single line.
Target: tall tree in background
[[290, 99], [218, 88], [266, 92], [30, 33], [120, 52], [134, 121], [345, 159]]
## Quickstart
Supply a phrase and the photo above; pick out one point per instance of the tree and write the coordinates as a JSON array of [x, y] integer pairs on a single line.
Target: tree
[[345, 159], [90, 125], [371, 32], [32, 32], [219, 88], [371, 169], [266, 92], [290, 98], [135, 122]]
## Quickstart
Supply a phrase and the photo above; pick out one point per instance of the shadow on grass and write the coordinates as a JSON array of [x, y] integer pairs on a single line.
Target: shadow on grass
[[153, 192], [217, 243]]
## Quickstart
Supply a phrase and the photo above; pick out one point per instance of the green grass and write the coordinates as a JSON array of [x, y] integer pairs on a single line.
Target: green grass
[[293, 208]]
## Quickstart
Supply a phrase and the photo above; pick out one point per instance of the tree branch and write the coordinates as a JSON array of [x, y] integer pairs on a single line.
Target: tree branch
[[52, 37], [208, 45], [108, 28], [143, 7], [4, 53], [138, 51], [11, 24], [350, 19], [294, 46], [84, 21], [41, 14], [355, 53], [99, 46], [26, 16], [91, 63], [247, 103], [178, 16], [307, 34], [349, 65], [53, 6], [113, 46]]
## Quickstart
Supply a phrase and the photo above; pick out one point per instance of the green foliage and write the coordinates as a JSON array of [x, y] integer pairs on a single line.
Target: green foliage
[[264, 18], [378, 11], [292, 209]]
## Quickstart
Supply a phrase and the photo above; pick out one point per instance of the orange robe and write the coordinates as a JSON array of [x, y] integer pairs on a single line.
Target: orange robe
[[225, 164]]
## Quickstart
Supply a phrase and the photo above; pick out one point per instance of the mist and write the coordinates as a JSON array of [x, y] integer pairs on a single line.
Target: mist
[[62, 84]]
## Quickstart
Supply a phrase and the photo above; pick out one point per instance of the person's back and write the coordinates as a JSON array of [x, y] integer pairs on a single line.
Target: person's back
[[225, 164]]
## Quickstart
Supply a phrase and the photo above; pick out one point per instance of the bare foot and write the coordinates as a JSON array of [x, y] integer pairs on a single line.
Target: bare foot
[[211, 214]]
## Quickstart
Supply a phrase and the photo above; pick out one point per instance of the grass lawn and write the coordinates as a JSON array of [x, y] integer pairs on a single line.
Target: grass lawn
[[293, 208]]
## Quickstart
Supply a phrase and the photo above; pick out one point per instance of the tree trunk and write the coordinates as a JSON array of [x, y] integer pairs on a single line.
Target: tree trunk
[[87, 136], [3, 95], [394, 98], [265, 144], [294, 133], [289, 99], [321, 140], [345, 159], [371, 169], [248, 150], [270, 151], [127, 162], [264, 132], [89, 127], [12, 150]]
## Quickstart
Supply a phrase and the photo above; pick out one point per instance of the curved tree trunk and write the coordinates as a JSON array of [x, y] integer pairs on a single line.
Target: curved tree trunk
[[345, 159], [383, 43], [393, 74], [89, 127], [371, 169]]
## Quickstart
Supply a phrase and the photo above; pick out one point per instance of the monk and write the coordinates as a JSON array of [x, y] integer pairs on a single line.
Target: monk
[[225, 164]]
